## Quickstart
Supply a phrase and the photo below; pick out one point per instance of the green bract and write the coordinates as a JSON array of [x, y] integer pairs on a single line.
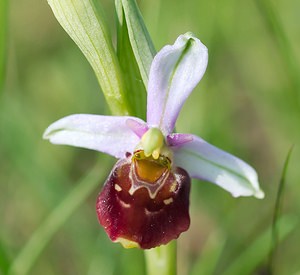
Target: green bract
[[140, 40], [83, 21], [122, 73]]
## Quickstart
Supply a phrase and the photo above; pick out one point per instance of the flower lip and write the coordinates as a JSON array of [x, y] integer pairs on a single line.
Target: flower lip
[[136, 219]]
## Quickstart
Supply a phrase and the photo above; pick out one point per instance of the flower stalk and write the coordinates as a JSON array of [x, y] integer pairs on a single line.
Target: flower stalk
[[162, 260]]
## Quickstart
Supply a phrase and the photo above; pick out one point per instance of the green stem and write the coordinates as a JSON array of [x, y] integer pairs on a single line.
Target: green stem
[[162, 260]]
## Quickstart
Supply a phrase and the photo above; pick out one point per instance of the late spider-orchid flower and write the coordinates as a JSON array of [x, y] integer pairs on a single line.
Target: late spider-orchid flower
[[144, 202]]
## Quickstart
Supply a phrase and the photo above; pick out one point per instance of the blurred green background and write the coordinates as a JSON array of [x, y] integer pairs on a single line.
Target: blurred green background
[[248, 104]]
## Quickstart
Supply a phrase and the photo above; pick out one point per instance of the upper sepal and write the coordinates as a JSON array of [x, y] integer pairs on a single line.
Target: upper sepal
[[174, 73]]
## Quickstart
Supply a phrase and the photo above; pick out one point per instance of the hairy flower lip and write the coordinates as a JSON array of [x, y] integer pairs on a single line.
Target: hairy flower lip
[[137, 220]]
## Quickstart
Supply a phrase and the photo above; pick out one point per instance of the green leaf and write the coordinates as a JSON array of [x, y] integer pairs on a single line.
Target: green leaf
[[139, 37], [84, 22], [3, 39], [135, 88]]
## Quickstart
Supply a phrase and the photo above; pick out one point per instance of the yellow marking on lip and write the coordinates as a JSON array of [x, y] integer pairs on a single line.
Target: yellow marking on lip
[[168, 201], [173, 187], [127, 243], [118, 187]]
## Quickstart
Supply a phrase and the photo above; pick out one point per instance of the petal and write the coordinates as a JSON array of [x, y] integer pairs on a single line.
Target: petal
[[132, 216], [108, 134], [179, 139], [138, 127], [174, 73], [204, 161]]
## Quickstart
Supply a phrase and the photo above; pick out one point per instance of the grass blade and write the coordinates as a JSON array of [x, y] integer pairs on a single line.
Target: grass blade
[[252, 257], [277, 209], [280, 228], [3, 40], [41, 237]]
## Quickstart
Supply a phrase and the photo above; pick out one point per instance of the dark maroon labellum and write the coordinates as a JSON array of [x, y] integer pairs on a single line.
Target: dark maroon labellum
[[144, 203]]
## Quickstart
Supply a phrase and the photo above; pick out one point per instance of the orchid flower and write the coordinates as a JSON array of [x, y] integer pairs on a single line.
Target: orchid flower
[[145, 200]]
